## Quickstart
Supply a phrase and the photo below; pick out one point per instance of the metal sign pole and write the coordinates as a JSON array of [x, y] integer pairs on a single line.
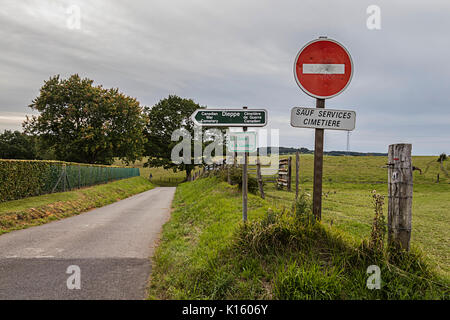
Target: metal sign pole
[[245, 180], [318, 167]]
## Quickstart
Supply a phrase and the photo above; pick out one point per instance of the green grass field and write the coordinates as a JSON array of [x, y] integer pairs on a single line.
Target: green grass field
[[160, 176], [23, 213], [201, 254], [348, 183]]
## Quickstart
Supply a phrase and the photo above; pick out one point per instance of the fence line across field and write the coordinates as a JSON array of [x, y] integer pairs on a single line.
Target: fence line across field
[[75, 176]]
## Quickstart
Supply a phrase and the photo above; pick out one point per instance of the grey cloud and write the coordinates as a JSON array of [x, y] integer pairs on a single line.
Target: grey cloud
[[235, 53]]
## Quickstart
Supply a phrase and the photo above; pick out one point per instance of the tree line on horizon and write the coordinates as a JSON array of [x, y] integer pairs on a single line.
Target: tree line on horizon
[[302, 150]]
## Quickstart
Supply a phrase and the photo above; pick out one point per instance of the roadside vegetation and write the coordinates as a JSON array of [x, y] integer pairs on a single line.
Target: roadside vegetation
[[347, 191], [206, 252], [23, 213], [160, 176]]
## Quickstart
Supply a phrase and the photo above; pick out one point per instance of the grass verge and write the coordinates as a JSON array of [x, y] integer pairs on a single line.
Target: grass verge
[[206, 252], [23, 213]]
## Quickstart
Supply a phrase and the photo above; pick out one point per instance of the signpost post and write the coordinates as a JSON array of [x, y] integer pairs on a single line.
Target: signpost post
[[323, 69], [235, 118]]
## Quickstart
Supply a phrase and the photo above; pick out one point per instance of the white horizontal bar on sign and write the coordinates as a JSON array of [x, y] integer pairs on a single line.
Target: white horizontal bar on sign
[[323, 68]]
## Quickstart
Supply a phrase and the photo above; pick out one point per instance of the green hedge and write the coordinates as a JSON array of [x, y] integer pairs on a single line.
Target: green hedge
[[26, 178]]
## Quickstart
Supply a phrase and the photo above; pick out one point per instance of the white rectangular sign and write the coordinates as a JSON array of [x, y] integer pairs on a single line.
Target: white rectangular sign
[[309, 68], [319, 118], [241, 141]]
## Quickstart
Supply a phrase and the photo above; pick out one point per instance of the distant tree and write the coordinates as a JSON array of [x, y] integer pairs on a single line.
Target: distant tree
[[165, 117], [17, 145], [442, 157], [80, 122]]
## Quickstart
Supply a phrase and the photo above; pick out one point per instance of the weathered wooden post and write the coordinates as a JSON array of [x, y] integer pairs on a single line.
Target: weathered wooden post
[[289, 174], [259, 177], [400, 184], [297, 164], [318, 166]]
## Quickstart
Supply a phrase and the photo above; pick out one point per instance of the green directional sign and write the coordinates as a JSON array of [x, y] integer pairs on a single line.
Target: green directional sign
[[241, 141], [230, 117]]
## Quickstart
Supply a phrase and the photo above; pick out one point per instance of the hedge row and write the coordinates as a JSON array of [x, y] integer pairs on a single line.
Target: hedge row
[[26, 178]]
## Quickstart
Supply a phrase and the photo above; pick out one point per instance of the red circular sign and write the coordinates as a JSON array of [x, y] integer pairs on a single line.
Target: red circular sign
[[323, 68]]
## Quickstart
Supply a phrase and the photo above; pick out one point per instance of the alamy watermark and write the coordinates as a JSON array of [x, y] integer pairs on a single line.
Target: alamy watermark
[[74, 280], [73, 21], [373, 21], [374, 280]]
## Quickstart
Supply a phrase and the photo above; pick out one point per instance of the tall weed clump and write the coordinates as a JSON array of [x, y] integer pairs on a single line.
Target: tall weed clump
[[303, 209], [378, 232]]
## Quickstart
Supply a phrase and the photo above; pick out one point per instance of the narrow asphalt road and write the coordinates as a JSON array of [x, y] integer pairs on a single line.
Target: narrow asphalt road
[[104, 252]]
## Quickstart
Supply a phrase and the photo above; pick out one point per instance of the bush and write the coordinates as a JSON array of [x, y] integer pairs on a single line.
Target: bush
[[236, 178], [26, 178], [303, 209]]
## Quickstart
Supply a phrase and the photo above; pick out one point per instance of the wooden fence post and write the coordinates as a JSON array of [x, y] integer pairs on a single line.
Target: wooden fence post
[[259, 177], [79, 176], [289, 174], [400, 185], [297, 165]]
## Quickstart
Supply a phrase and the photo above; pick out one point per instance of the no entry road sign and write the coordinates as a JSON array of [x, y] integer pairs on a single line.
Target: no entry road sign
[[323, 118], [323, 68], [230, 117]]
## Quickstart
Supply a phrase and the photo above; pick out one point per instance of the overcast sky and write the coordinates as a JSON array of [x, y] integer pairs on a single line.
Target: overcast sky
[[235, 53]]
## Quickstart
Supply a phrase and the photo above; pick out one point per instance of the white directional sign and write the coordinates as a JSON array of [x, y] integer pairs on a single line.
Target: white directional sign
[[241, 141], [323, 118]]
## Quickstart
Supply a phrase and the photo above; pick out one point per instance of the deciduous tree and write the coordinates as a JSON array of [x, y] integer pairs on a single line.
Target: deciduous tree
[[165, 117], [86, 123]]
